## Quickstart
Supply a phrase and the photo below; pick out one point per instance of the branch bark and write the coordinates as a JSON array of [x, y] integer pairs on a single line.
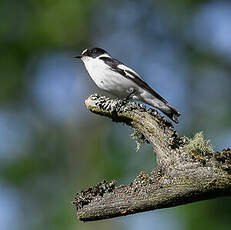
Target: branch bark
[[187, 170]]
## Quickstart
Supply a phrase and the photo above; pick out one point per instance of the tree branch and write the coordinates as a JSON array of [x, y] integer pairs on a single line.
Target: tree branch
[[187, 169]]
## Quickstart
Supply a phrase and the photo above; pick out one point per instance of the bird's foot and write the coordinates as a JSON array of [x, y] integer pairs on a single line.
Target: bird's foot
[[131, 92]]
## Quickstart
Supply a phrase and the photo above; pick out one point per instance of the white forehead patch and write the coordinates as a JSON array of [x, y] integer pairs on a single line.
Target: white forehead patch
[[84, 51]]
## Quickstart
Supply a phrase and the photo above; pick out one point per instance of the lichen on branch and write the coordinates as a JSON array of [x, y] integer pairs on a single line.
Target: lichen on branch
[[199, 145], [187, 169]]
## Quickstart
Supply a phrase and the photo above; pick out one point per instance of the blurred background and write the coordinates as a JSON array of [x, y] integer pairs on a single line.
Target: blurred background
[[51, 146]]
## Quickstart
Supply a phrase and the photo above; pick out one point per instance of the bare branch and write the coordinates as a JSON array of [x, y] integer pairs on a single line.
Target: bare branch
[[184, 174]]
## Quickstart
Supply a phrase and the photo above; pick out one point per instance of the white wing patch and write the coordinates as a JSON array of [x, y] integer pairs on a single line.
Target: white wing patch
[[127, 70]]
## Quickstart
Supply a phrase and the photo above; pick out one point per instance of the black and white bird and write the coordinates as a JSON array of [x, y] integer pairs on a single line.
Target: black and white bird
[[121, 81]]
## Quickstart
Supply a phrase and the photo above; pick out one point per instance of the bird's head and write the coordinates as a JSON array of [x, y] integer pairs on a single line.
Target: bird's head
[[92, 54]]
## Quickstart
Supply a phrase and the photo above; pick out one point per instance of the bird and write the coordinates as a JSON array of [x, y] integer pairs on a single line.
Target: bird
[[114, 77]]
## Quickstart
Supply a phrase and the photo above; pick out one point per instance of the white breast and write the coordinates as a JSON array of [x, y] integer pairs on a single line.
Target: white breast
[[97, 70], [107, 79]]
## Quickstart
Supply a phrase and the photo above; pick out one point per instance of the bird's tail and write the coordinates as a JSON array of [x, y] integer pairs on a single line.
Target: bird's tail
[[155, 100], [171, 112]]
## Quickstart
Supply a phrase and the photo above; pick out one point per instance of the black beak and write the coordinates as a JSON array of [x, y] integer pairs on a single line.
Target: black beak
[[79, 56]]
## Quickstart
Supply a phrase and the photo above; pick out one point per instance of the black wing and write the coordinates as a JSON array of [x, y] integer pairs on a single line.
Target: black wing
[[119, 67]]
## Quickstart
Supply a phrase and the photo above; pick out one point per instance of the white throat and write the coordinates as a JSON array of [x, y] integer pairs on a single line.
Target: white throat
[[97, 69]]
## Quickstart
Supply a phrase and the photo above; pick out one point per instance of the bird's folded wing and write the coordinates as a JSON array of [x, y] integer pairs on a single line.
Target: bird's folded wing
[[130, 74]]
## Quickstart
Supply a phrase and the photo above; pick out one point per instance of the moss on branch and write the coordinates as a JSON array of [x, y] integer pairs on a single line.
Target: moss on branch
[[187, 169]]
